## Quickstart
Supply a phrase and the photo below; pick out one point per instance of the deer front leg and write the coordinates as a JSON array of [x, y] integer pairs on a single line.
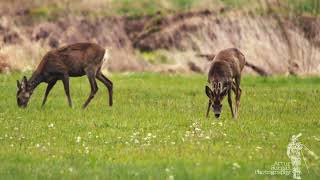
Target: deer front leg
[[209, 105], [65, 81], [49, 87], [230, 103], [93, 85]]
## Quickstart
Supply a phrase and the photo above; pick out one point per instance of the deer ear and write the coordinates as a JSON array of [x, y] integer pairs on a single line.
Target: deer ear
[[23, 83], [18, 84], [25, 79], [209, 92]]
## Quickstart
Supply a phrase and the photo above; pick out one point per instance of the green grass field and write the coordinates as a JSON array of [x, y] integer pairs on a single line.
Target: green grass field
[[157, 130]]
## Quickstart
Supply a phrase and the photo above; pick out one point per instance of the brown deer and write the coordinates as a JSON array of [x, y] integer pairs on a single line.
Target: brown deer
[[224, 76], [74, 60]]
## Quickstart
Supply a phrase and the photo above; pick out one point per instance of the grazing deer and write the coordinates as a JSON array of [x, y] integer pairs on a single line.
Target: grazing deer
[[59, 64], [224, 76]]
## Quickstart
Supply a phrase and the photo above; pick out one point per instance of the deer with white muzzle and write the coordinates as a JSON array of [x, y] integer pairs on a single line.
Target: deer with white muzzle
[[224, 77]]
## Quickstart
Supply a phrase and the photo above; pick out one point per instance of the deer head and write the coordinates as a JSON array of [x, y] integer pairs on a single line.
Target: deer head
[[216, 95], [24, 92]]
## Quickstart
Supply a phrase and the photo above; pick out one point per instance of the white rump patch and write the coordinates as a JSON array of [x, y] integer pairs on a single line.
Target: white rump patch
[[106, 55]]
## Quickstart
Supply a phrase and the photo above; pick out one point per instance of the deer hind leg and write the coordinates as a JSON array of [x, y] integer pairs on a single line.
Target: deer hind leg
[[65, 81], [209, 105], [230, 103], [49, 87], [107, 83], [93, 84], [238, 92]]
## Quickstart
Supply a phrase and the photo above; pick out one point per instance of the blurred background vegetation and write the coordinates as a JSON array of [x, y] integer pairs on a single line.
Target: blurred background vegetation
[[53, 8]]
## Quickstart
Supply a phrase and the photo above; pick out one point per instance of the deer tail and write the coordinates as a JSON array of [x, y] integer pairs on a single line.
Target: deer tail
[[106, 55], [209, 57], [257, 69]]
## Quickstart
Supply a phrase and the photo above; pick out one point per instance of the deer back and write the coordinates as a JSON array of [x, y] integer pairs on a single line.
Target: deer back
[[72, 59], [230, 60]]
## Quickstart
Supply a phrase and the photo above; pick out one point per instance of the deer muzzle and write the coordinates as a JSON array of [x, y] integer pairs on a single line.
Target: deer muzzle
[[217, 110]]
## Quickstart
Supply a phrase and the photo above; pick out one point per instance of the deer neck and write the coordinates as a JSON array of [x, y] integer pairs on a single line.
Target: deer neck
[[35, 80]]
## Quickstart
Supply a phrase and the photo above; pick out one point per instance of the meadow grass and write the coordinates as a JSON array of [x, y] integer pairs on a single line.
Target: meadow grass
[[157, 129]]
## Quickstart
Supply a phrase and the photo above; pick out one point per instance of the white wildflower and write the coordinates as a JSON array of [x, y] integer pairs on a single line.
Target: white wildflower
[[258, 148], [86, 150], [78, 139], [50, 125], [235, 166]]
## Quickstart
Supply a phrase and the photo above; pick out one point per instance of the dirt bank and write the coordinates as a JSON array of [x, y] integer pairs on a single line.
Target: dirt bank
[[177, 37]]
